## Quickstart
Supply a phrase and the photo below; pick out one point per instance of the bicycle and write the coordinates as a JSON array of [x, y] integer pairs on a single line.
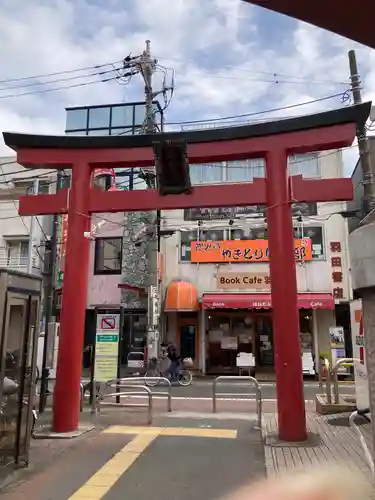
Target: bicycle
[[185, 376]]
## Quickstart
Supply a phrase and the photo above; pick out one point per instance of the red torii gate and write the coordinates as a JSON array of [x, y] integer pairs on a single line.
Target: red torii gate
[[273, 141]]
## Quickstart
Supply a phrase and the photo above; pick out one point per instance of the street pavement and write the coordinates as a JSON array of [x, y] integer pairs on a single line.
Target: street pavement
[[184, 458], [188, 454], [203, 389]]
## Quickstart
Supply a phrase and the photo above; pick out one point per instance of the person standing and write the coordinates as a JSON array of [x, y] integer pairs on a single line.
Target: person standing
[[175, 359]]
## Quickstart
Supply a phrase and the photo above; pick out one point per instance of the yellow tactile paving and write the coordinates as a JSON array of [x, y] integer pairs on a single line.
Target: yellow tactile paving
[[102, 481], [173, 431]]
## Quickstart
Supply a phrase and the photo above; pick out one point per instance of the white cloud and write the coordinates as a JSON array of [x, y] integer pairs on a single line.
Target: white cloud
[[224, 64]]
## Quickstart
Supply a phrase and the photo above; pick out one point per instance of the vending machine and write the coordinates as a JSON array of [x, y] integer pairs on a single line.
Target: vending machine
[[359, 355]]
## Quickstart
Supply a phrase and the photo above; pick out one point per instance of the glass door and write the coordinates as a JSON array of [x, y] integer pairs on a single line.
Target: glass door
[[17, 377]]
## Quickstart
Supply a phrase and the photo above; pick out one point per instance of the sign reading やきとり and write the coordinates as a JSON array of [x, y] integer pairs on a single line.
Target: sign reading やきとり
[[242, 251]]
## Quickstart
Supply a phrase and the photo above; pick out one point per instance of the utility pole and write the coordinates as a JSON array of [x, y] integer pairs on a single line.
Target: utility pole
[[368, 309], [50, 260], [147, 67], [367, 174]]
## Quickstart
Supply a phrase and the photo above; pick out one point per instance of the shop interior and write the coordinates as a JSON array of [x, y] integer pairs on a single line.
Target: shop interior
[[230, 333]]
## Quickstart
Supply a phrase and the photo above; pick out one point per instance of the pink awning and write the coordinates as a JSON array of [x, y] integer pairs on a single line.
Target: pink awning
[[263, 301]]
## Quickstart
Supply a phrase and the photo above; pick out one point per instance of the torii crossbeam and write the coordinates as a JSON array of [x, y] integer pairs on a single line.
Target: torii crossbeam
[[273, 141]]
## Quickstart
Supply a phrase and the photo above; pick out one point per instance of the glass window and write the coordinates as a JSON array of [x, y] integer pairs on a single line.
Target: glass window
[[139, 331], [99, 117], [108, 256], [315, 233], [76, 119], [43, 187], [238, 234], [306, 165], [258, 233], [185, 248], [122, 116], [26, 187], [245, 170], [139, 114], [211, 235], [207, 173]]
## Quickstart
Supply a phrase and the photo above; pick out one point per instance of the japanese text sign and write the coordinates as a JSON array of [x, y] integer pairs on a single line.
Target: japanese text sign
[[242, 251]]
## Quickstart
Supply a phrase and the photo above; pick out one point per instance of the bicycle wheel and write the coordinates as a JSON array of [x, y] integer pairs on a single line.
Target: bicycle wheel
[[185, 378], [152, 373]]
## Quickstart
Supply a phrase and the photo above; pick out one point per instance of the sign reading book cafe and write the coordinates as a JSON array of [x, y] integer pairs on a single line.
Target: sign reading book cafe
[[243, 281]]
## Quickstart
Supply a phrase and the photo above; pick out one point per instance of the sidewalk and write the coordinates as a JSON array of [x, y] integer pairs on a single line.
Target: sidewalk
[[183, 454], [334, 441], [178, 456]]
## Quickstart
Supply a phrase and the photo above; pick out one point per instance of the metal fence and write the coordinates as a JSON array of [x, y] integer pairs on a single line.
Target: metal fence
[[227, 380], [354, 426], [131, 390]]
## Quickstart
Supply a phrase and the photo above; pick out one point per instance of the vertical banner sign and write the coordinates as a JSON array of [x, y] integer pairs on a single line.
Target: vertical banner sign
[[106, 347], [358, 342]]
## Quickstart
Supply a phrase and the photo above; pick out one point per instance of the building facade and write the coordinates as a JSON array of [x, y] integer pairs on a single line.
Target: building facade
[[216, 279], [119, 271], [22, 239]]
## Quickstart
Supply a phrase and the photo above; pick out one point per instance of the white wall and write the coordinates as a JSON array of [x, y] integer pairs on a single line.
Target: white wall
[[102, 288], [362, 250], [313, 276], [11, 225]]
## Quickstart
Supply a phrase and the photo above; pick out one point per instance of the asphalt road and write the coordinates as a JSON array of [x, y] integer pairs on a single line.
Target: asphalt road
[[203, 389]]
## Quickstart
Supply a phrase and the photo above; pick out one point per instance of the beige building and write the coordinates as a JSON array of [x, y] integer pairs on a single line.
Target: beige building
[[217, 292]]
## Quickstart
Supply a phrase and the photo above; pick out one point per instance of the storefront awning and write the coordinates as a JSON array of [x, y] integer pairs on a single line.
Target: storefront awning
[[263, 301], [181, 296]]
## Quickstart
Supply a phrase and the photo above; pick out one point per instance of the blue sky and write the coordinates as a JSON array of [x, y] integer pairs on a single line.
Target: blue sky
[[229, 58]]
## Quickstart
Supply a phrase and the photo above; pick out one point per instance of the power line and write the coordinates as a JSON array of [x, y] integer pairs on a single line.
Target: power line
[[65, 72], [266, 73], [344, 96], [59, 80], [67, 87]]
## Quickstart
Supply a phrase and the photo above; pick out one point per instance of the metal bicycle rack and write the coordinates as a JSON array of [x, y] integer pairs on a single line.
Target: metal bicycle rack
[[327, 366], [227, 380], [141, 391], [340, 362], [332, 378], [354, 426], [167, 394], [82, 390]]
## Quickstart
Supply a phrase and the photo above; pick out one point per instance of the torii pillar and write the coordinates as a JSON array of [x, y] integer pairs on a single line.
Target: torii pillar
[[274, 141]]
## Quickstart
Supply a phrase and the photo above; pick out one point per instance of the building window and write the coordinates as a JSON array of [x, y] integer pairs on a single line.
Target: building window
[[185, 248], [76, 119], [23, 186], [43, 187], [204, 235], [108, 255], [17, 254], [232, 171], [247, 170], [122, 116], [315, 233], [99, 117], [306, 165]]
